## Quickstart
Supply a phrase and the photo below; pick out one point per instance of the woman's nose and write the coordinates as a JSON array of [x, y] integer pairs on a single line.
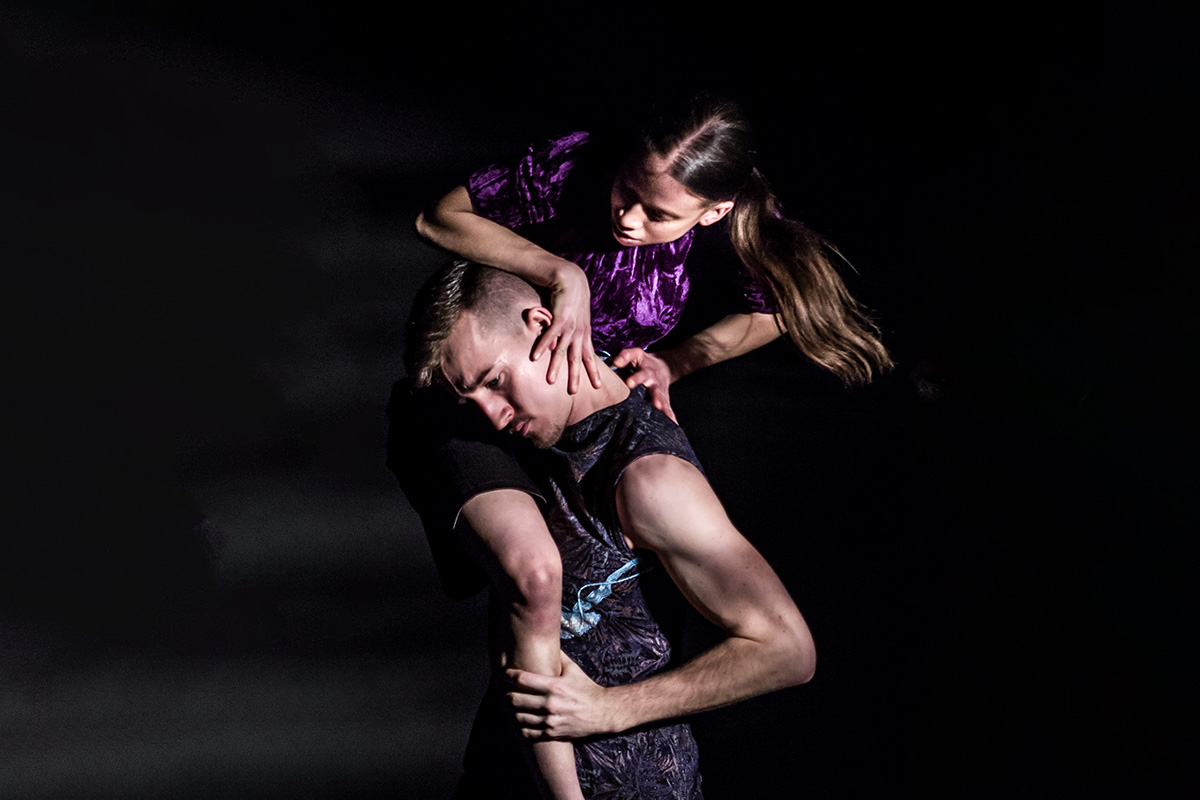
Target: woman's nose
[[631, 217]]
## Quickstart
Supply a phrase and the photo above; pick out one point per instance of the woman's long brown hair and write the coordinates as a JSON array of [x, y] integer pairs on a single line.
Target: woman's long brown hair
[[709, 147]]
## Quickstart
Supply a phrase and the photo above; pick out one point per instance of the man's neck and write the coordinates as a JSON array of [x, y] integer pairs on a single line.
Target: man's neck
[[588, 400]]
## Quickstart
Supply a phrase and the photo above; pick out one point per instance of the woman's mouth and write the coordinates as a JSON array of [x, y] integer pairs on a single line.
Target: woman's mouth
[[621, 237]]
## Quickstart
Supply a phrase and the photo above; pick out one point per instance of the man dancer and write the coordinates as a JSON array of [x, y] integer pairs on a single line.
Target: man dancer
[[626, 505]]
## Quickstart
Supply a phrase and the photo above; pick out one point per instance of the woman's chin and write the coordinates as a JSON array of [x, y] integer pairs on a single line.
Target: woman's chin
[[624, 241]]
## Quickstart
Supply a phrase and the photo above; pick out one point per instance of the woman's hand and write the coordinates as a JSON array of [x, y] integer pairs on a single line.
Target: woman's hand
[[570, 335], [569, 706], [652, 372]]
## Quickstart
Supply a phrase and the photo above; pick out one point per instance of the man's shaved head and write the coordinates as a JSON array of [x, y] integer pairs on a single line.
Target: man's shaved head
[[495, 297]]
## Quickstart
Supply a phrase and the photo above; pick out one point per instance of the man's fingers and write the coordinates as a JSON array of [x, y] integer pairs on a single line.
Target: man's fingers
[[528, 682], [530, 704], [536, 734], [531, 720]]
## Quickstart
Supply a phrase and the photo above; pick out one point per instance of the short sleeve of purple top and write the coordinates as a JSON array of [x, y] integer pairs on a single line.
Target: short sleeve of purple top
[[638, 293]]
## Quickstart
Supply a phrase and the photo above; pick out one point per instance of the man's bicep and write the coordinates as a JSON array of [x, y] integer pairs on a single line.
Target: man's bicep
[[667, 506]]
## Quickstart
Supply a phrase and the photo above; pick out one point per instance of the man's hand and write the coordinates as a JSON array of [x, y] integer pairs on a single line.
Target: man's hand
[[567, 707], [570, 334], [650, 371]]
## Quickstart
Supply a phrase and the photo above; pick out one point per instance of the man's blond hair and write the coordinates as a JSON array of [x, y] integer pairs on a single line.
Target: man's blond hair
[[494, 296]]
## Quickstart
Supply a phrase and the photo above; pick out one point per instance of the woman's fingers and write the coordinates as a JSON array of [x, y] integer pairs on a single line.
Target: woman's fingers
[[630, 355], [559, 350], [657, 390], [660, 398], [583, 361], [546, 341], [649, 371], [573, 366]]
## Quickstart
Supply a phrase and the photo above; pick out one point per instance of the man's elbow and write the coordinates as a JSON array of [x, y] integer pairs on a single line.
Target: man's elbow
[[800, 654], [536, 589], [806, 664]]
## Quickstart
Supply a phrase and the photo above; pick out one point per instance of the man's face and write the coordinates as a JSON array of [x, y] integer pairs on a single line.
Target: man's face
[[490, 366]]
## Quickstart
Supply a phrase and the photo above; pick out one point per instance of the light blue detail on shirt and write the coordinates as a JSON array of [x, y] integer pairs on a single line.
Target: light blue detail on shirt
[[582, 618]]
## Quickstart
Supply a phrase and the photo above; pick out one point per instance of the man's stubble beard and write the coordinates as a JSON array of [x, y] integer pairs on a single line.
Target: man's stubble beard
[[546, 442]]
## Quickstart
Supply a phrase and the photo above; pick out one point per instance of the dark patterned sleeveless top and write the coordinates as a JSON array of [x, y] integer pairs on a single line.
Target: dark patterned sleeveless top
[[611, 627]]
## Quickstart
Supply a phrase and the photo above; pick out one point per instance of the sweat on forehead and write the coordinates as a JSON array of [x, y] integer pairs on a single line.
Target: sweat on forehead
[[493, 296]]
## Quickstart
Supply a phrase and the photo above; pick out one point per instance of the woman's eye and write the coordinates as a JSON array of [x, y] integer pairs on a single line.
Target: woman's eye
[[494, 382]]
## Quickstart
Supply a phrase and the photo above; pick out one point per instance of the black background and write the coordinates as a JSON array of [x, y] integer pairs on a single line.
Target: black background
[[212, 587]]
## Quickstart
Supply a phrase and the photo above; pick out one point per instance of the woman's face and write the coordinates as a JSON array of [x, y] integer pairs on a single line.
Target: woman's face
[[651, 207]]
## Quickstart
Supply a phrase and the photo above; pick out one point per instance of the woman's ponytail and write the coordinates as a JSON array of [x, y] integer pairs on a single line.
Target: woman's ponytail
[[710, 150], [818, 313]]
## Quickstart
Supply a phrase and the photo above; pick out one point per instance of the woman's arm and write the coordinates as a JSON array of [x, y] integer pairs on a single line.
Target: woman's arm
[[453, 224], [735, 335]]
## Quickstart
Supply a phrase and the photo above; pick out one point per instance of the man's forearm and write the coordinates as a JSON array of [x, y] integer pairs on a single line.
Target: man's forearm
[[536, 648], [510, 538], [734, 670]]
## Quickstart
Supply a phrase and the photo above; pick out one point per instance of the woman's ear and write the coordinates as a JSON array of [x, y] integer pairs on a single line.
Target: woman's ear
[[715, 213]]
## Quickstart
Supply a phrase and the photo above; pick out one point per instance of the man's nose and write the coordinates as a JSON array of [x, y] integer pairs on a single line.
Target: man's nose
[[497, 410]]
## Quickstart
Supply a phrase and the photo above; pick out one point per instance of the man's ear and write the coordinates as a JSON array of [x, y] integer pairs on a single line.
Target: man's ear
[[538, 317], [715, 213]]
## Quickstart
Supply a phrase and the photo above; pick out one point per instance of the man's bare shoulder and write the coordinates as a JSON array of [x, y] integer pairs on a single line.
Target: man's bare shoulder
[[658, 471], [662, 496]]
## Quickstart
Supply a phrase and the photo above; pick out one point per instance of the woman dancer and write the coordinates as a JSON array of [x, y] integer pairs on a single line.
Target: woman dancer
[[542, 217]]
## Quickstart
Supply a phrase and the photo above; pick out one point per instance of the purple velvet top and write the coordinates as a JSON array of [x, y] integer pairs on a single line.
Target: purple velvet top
[[638, 293]]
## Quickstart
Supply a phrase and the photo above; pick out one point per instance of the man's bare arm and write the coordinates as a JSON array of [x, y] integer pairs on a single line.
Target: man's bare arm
[[509, 536], [667, 506]]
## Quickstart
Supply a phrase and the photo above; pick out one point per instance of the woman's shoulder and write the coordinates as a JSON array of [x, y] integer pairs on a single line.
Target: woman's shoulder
[[562, 145], [578, 155]]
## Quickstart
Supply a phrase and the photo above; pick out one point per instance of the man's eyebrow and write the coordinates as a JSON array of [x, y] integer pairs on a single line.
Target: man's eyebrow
[[467, 388]]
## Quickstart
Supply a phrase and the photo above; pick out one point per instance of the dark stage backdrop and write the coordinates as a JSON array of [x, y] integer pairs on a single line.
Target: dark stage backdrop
[[210, 585]]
